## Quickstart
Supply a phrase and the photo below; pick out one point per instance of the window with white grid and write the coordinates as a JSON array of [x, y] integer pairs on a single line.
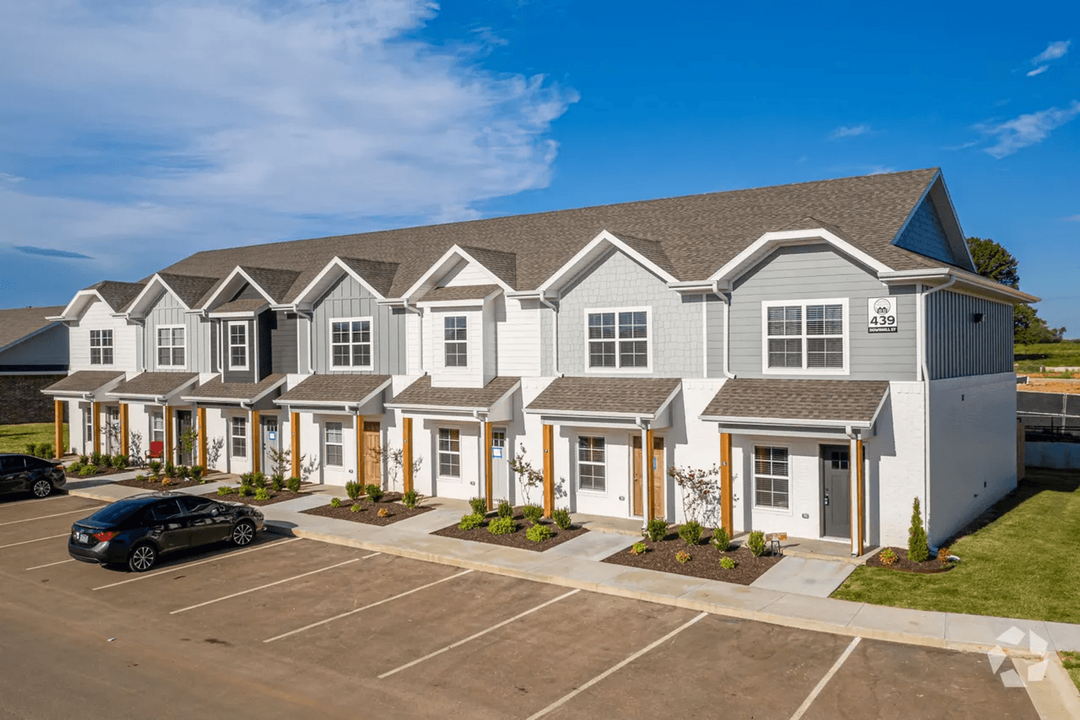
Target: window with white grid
[[334, 444], [618, 339], [807, 337], [771, 477], [101, 347], [449, 453], [238, 444], [170, 346], [592, 468], [455, 341], [350, 342], [238, 346]]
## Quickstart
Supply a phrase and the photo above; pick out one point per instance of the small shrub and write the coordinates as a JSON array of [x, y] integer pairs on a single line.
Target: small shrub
[[383, 512], [756, 543], [335, 502], [155, 467], [167, 481], [277, 481], [690, 532], [888, 557], [478, 505], [74, 467], [502, 526], [532, 513], [258, 481], [538, 533], [639, 548], [720, 539], [411, 499], [353, 489], [727, 563], [45, 450], [262, 493], [943, 554], [561, 517], [917, 548], [120, 462], [31, 449], [504, 509], [197, 474], [183, 472], [84, 460], [471, 522], [170, 469], [225, 491], [87, 471], [683, 557], [293, 484], [657, 529], [244, 491], [140, 477], [96, 458], [356, 507], [374, 492]]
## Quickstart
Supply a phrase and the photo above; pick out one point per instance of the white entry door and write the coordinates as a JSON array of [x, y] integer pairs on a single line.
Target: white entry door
[[500, 471]]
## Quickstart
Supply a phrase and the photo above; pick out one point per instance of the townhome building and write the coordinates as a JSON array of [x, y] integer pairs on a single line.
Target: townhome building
[[827, 346]]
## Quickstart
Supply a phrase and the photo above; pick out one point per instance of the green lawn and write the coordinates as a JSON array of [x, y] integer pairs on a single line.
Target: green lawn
[[1023, 565], [1030, 357], [1071, 661], [13, 438]]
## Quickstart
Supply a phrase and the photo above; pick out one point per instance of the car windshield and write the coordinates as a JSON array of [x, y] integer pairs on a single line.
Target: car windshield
[[116, 512]]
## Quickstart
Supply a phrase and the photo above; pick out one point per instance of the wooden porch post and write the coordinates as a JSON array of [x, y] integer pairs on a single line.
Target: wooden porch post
[[95, 408], [407, 454], [488, 482], [124, 429], [203, 459], [58, 428], [549, 470], [726, 493], [860, 512], [256, 443], [294, 430], [361, 465], [167, 455], [647, 480]]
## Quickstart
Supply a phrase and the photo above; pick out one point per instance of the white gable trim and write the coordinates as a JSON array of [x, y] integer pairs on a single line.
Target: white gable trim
[[770, 241], [75, 308], [591, 252], [214, 299], [444, 264], [935, 182], [315, 288], [134, 310]]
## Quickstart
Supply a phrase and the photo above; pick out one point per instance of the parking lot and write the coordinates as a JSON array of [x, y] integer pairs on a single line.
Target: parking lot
[[297, 628]]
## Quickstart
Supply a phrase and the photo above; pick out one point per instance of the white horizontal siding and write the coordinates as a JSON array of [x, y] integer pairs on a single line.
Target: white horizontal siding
[[518, 338], [98, 317], [465, 274]]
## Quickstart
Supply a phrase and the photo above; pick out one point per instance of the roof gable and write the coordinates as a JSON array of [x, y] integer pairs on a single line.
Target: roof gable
[[20, 324]]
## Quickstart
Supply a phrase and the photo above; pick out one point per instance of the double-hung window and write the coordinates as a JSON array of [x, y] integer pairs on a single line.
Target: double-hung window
[[239, 437], [806, 336], [771, 477], [618, 339], [592, 471], [335, 446], [238, 346], [456, 340], [449, 453], [157, 427], [101, 347], [170, 347], [350, 342]]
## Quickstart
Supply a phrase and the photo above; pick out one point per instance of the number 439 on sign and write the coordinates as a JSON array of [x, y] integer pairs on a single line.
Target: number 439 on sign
[[881, 315]]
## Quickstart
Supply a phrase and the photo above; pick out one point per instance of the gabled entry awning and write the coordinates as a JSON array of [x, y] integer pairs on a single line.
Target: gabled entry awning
[[343, 393], [85, 384], [154, 387], [606, 401], [794, 407], [216, 392], [492, 400]]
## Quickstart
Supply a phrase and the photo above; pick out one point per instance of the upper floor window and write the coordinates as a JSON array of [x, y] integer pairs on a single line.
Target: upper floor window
[[238, 346], [350, 342], [806, 336], [455, 341], [618, 339], [101, 347], [170, 347]]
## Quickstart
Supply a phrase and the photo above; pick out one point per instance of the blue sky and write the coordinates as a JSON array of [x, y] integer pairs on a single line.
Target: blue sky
[[135, 134]]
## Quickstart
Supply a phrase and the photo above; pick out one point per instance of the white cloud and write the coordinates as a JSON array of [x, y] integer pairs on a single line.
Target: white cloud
[[845, 131], [881, 170], [219, 122], [1053, 51], [1072, 218], [1038, 71], [1029, 129]]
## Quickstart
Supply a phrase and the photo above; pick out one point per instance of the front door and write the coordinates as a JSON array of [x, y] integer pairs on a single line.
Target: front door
[[112, 429], [88, 430], [372, 452], [500, 472], [271, 444], [185, 439], [656, 477], [836, 491]]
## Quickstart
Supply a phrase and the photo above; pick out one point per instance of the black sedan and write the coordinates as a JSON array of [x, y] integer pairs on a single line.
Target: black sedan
[[29, 474], [135, 531]]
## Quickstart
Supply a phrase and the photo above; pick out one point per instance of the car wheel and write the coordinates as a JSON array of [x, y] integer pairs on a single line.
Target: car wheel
[[142, 558], [42, 488], [243, 533]]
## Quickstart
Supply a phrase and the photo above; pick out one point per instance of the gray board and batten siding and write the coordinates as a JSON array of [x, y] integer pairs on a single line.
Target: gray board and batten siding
[[282, 336], [349, 299], [957, 345], [168, 311], [814, 272], [229, 375]]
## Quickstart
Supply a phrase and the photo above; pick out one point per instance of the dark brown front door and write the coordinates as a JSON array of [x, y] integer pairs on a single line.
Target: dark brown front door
[[656, 477]]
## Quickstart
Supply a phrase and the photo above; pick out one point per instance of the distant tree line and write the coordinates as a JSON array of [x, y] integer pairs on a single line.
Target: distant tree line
[[996, 263]]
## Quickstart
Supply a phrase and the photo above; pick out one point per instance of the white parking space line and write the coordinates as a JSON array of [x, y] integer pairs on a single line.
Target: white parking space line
[[174, 568], [58, 562], [46, 517], [825, 680], [27, 542], [366, 607], [263, 587], [569, 696], [476, 635]]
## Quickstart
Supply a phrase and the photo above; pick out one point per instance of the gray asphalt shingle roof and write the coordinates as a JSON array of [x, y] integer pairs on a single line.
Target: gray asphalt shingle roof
[[84, 381], [153, 384], [841, 400], [17, 323], [630, 396], [248, 392], [379, 275], [333, 388], [276, 282], [463, 292], [421, 394], [118, 295], [189, 288]]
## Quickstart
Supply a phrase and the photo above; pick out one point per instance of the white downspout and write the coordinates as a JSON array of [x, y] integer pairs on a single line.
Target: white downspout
[[925, 371], [727, 329], [555, 331], [853, 486], [481, 489]]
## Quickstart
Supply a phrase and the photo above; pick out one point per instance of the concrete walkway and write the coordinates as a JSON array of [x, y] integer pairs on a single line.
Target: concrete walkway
[[787, 595]]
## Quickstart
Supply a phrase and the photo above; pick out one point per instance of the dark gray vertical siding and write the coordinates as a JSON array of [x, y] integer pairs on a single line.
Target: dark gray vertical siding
[[238, 376], [348, 298], [957, 346], [267, 327], [167, 310], [214, 346], [283, 351]]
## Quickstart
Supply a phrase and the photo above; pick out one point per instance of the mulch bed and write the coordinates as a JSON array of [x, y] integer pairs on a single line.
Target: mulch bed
[[77, 476], [276, 496], [369, 512], [931, 565], [176, 484], [704, 562], [515, 539]]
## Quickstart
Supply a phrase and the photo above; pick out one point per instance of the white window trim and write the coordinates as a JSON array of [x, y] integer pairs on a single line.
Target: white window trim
[[102, 346], [765, 369], [232, 437], [460, 477], [229, 345], [442, 318], [371, 343], [577, 467], [769, 509], [649, 329], [327, 443], [157, 345]]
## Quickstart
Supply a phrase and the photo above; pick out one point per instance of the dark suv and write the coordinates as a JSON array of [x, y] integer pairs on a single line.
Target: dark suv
[[29, 474], [136, 530]]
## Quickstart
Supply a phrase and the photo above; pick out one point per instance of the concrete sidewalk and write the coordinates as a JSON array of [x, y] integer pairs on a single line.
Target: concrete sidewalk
[[787, 598]]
